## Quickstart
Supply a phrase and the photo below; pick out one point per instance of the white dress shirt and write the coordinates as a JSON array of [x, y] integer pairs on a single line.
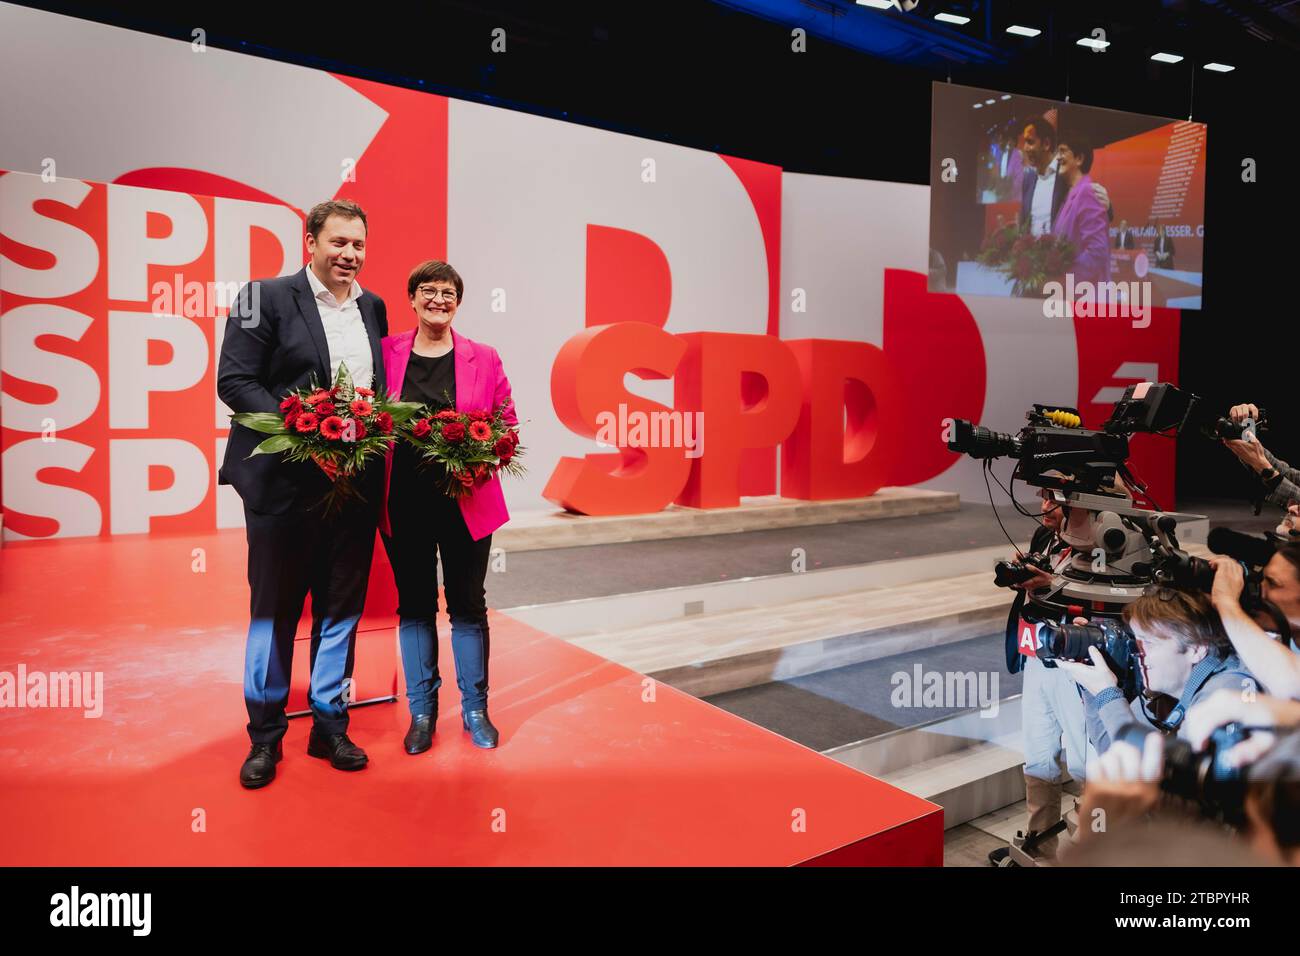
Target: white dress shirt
[[1040, 208], [345, 332]]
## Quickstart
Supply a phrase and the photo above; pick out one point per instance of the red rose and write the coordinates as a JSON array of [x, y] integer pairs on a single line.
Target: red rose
[[385, 422], [421, 428], [331, 427], [291, 404], [306, 422], [361, 408], [453, 431], [503, 448], [358, 428], [325, 408], [367, 392], [480, 431], [317, 396], [448, 415]]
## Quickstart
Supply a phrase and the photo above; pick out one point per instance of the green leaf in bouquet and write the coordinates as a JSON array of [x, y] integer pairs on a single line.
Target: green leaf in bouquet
[[403, 412], [275, 443], [269, 423], [343, 382]]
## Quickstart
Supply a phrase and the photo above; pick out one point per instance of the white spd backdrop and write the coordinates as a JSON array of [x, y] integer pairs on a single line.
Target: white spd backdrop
[[510, 199]]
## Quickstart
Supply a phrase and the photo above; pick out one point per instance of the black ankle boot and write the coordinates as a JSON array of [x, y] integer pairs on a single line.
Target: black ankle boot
[[481, 731], [419, 737]]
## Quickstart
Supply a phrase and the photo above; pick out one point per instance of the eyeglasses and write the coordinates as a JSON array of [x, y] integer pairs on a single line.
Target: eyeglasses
[[433, 295]]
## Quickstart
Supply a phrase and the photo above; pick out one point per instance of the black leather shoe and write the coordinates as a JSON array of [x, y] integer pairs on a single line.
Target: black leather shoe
[[259, 766], [419, 737], [342, 753], [481, 731]]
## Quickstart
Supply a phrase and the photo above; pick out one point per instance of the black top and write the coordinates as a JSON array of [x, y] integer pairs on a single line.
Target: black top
[[433, 382]]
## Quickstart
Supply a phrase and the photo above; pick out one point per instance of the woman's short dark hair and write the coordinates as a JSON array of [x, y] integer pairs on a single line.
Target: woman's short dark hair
[[434, 270], [1079, 144]]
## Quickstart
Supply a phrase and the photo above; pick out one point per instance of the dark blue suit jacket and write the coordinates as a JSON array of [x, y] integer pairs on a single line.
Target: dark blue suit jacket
[[268, 352]]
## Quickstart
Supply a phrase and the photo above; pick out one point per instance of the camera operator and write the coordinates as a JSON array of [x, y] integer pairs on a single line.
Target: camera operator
[[1185, 656], [1277, 666], [1281, 482], [1051, 709]]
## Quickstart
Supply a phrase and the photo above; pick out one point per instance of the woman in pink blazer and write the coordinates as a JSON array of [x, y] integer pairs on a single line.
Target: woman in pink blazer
[[418, 521]]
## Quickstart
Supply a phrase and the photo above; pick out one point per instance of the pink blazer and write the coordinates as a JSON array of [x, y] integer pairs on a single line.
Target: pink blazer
[[481, 383]]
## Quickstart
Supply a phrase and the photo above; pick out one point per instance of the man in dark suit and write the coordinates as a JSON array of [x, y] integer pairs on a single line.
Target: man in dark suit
[[1124, 239], [281, 334], [1163, 248]]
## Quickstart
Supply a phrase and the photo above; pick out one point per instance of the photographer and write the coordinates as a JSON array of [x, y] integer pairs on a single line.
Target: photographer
[[1126, 785], [1277, 666], [1185, 657], [1281, 482], [1051, 710]]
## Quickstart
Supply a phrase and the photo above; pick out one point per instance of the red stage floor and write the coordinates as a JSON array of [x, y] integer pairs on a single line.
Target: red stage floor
[[587, 773]]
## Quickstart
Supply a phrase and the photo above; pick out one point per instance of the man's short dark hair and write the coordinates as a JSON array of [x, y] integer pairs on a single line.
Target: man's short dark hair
[[434, 270], [334, 207], [1043, 129], [1078, 143]]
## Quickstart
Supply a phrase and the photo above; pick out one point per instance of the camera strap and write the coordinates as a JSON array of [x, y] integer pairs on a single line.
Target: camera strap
[[1206, 668]]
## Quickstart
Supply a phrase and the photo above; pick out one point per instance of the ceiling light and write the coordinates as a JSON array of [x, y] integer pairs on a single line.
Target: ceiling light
[[1092, 43], [877, 4], [1023, 31], [951, 18], [1166, 57], [1219, 67]]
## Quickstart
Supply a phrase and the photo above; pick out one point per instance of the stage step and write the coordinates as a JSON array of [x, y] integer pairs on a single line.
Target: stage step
[[969, 764], [708, 653], [541, 530]]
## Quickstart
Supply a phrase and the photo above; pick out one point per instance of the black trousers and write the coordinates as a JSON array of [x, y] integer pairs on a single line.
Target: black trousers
[[291, 555], [427, 526]]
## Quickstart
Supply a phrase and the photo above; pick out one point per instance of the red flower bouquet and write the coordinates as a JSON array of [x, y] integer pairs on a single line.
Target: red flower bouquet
[[1029, 261], [341, 429], [472, 446]]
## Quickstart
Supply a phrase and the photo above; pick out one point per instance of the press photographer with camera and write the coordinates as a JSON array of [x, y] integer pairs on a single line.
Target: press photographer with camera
[[1184, 655], [1051, 708], [1277, 665], [1280, 482]]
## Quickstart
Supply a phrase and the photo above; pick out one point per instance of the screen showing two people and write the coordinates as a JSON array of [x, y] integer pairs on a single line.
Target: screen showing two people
[[1028, 193]]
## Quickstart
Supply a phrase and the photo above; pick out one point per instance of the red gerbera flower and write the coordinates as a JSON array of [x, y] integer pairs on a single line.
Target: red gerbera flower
[[331, 427], [448, 415], [479, 416], [317, 396], [361, 408], [480, 431], [291, 404], [306, 422], [325, 408], [367, 392]]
